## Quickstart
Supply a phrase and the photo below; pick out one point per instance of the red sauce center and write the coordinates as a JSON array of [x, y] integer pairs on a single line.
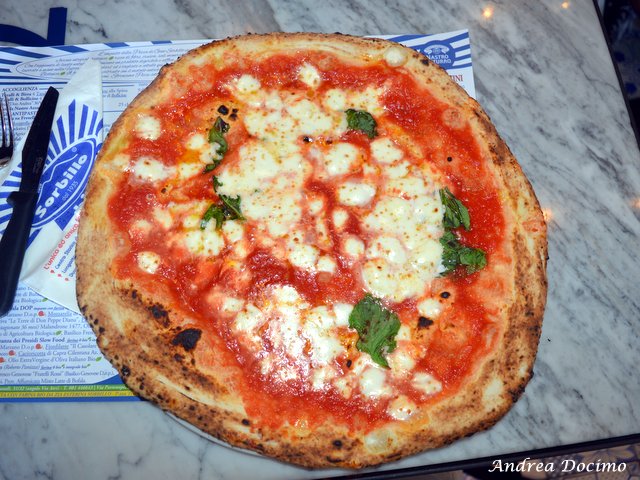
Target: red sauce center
[[457, 340]]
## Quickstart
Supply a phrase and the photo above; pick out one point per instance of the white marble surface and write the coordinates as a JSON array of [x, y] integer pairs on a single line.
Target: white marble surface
[[544, 75]]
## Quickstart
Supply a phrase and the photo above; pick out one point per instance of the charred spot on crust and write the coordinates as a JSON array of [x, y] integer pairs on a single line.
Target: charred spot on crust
[[158, 311], [101, 329], [337, 443], [178, 358], [445, 294], [425, 61], [134, 294], [125, 371], [449, 159], [246, 422], [223, 109], [187, 338], [424, 322], [349, 363], [306, 139]]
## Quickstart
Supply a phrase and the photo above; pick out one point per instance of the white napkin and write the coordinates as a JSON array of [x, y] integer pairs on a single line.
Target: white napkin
[[76, 136]]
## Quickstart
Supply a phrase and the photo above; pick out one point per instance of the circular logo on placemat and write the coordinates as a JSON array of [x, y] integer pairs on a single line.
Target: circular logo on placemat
[[72, 150], [440, 52]]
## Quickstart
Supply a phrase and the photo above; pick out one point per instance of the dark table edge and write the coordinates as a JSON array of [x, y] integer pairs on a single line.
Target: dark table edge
[[632, 120], [487, 462]]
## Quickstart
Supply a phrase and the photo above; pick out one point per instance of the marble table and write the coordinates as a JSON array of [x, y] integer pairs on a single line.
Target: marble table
[[544, 74]]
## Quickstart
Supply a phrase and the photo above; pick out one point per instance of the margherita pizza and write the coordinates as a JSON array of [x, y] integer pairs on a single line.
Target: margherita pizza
[[316, 247]]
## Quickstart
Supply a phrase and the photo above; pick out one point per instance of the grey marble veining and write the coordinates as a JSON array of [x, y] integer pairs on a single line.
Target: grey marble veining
[[544, 75]]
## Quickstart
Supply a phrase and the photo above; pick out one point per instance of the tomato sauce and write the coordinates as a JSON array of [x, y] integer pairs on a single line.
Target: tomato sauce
[[457, 340]]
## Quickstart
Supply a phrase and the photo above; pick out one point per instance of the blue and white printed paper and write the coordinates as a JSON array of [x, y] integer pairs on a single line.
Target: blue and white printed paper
[[452, 51], [47, 351], [76, 137]]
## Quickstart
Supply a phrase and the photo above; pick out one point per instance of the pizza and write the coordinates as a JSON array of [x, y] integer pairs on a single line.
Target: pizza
[[315, 247]]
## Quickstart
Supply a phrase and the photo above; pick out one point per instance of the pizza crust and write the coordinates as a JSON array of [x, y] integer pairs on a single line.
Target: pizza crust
[[156, 349]]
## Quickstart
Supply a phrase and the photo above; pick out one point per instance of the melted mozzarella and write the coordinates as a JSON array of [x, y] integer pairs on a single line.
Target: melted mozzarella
[[342, 311], [205, 242], [384, 151], [316, 205], [355, 194], [309, 75], [148, 127], [311, 119], [398, 170], [148, 261], [233, 230], [401, 362], [188, 170], [197, 141], [140, 228], [339, 217], [162, 217], [232, 305], [149, 169], [391, 281], [248, 321], [342, 158], [353, 246], [264, 183], [367, 99], [207, 151], [373, 383], [430, 307], [301, 338], [409, 212], [426, 383], [247, 84], [335, 99], [303, 255], [326, 264], [395, 56], [401, 408], [318, 326], [388, 248]]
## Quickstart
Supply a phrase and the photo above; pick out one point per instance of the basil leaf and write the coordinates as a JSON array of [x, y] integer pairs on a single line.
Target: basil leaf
[[473, 258], [220, 125], [361, 120], [376, 327], [450, 252], [216, 135], [211, 166], [455, 213], [455, 254], [229, 210], [213, 212], [231, 207]]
